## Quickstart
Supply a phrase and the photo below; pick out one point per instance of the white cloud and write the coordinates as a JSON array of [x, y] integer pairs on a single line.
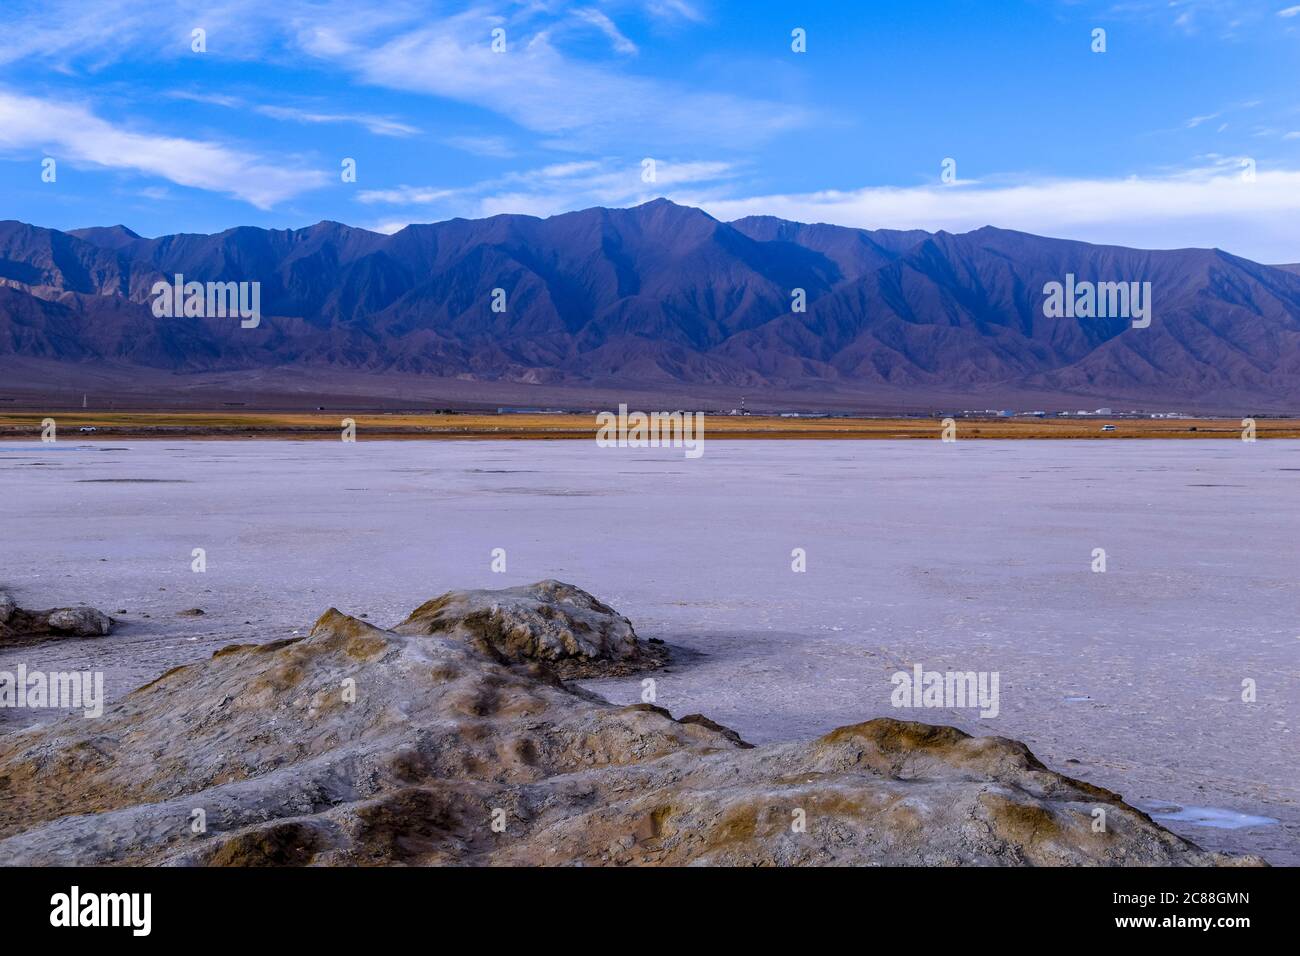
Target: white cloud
[[495, 147], [548, 190], [565, 187], [379, 125], [397, 45], [673, 9], [1289, 12], [405, 195], [212, 99], [1207, 206], [1211, 206], [60, 29], [1228, 19], [535, 85], [606, 26], [388, 226], [70, 132]]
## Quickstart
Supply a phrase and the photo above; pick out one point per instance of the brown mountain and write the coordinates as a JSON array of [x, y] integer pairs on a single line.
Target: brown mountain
[[662, 297]]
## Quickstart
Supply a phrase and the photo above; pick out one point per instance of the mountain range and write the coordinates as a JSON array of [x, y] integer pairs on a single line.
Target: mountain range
[[656, 298]]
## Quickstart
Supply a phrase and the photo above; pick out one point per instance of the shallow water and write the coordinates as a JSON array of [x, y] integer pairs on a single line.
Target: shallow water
[[972, 556], [1212, 817]]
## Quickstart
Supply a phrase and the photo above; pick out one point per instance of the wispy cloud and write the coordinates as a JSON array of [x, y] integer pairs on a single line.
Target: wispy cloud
[[1199, 120], [1215, 204], [496, 147], [60, 31], [537, 83], [406, 195], [579, 104], [71, 132], [379, 125], [674, 9], [1226, 18], [605, 25], [548, 190]]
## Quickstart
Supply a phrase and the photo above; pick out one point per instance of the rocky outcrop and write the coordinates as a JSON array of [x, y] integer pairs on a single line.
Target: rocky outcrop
[[446, 742], [18, 624], [78, 621], [549, 621]]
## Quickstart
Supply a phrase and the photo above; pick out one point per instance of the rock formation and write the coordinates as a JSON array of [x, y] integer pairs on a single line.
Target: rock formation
[[19, 624], [452, 739], [549, 621]]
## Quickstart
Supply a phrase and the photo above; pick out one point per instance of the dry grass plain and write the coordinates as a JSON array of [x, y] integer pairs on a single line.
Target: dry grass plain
[[322, 425]]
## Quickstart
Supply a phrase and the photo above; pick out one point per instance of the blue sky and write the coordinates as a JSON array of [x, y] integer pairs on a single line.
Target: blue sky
[[1184, 132]]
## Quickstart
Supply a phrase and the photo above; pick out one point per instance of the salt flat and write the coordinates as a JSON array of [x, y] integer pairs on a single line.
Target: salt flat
[[972, 556]]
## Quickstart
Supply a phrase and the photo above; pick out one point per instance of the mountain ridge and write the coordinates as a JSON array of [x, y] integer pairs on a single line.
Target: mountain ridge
[[663, 295]]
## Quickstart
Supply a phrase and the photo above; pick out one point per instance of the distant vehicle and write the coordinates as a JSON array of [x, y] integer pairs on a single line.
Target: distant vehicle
[[1108, 428], [87, 428]]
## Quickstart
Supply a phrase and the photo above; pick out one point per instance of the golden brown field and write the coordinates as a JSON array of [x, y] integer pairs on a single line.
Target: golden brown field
[[318, 425]]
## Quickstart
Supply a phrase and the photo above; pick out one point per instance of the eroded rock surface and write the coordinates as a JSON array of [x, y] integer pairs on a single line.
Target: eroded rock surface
[[446, 743], [549, 621]]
